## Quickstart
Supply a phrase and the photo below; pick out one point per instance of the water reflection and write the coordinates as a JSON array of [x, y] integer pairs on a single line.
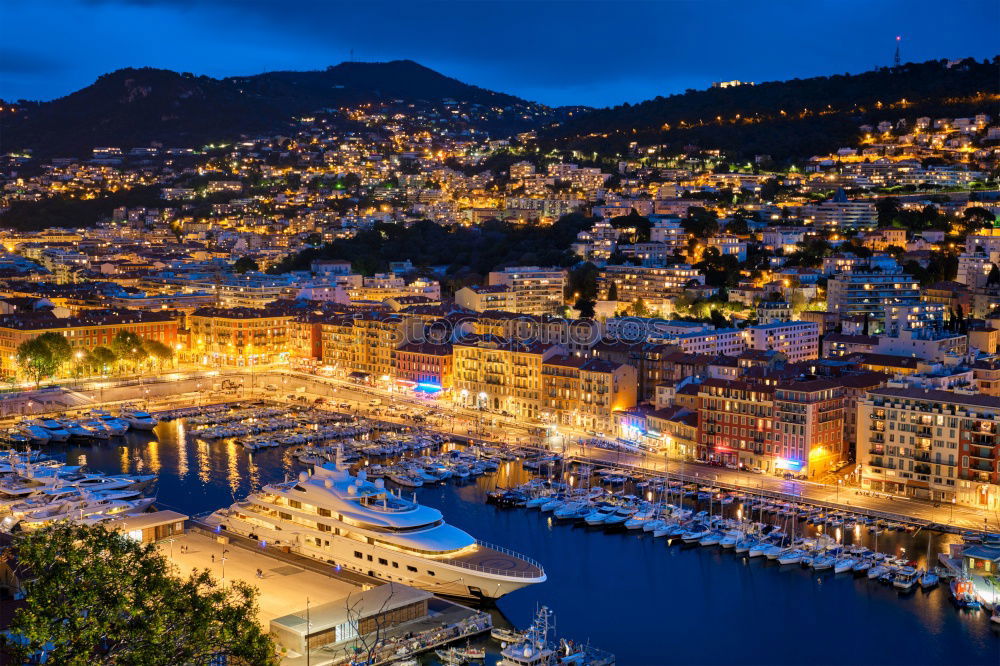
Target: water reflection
[[629, 593], [182, 451]]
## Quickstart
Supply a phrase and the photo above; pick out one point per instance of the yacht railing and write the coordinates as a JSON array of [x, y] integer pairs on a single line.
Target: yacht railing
[[500, 572]]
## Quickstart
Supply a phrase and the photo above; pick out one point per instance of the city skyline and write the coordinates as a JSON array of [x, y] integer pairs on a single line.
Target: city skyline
[[543, 57]]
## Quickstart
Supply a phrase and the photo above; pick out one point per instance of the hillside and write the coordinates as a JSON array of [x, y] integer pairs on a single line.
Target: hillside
[[136, 107], [787, 119]]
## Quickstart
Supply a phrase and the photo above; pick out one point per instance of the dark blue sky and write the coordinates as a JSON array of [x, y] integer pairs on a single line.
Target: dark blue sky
[[592, 52]]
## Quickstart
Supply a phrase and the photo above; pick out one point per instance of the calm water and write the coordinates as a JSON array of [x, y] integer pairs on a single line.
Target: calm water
[[647, 602]]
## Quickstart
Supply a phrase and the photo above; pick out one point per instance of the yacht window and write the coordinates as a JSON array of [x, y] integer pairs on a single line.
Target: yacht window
[[409, 568], [300, 489], [357, 554], [395, 565], [383, 561], [295, 504], [430, 573], [323, 512], [369, 558]]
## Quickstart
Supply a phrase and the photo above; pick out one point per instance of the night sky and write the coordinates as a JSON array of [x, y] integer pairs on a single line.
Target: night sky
[[552, 51]]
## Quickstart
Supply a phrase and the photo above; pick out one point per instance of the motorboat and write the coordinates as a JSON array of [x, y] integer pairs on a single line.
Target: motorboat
[[116, 426], [57, 433], [598, 516], [138, 419], [964, 593], [906, 578], [572, 510], [38, 435]]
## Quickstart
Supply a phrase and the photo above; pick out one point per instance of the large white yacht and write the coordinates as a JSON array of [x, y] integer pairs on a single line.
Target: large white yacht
[[358, 525]]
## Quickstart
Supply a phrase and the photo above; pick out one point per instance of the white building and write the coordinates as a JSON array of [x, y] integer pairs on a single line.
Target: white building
[[797, 340]]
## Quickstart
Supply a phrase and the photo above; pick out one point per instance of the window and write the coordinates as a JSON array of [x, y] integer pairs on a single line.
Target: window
[[395, 565], [430, 573], [383, 561], [409, 568], [369, 558]]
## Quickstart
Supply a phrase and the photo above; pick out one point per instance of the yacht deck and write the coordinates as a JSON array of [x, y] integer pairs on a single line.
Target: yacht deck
[[501, 562]]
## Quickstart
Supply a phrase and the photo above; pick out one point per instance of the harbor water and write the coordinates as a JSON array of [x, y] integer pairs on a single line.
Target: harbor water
[[644, 600]]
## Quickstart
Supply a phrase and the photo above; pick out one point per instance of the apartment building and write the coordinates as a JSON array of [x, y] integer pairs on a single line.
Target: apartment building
[[840, 213], [239, 336], [537, 291], [797, 340], [725, 341], [91, 328], [870, 292], [482, 298], [809, 421], [585, 393], [500, 375], [423, 365], [649, 283], [736, 423], [931, 444]]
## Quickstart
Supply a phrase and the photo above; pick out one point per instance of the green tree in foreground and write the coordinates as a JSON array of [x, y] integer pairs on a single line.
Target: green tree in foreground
[[96, 596]]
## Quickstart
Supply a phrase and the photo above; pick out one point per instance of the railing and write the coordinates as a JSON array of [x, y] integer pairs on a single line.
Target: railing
[[499, 572]]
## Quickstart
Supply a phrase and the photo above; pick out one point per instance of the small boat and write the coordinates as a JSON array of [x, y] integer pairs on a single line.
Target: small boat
[[862, 566], [906, 578], [843, 564], [405, 480], [791, 556], [877, 571], [995, 616], [506, 635], [598, 516], [964, 593], [929, 579], [39, 436], [139, 420]]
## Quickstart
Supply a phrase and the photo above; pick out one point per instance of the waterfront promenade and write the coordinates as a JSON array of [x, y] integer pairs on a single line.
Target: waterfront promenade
[[209, 386]]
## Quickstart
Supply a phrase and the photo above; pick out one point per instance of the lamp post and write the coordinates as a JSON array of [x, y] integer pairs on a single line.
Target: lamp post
[[224, 551], [952, 519]]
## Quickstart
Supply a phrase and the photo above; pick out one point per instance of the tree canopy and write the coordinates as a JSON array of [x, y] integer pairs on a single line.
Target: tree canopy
[[95, 596]]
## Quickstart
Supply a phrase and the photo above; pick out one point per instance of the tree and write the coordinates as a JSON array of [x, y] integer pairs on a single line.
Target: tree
[[613, 291], [640, 309], [101, 359], [158, 351], [718, 319], [35, 360], [95, 595], [586, 307], [993, 279], [58, 345], [127, 346], [245, 264]]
